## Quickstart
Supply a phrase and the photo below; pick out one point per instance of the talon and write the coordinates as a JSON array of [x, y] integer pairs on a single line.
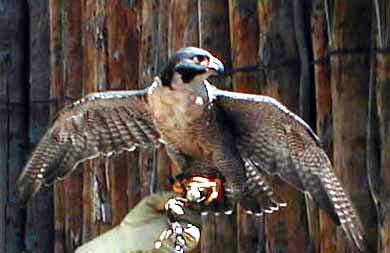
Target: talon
[[283, 204], [175, 205], [157, 244], [177, 228], [166, 234], [258, 214]]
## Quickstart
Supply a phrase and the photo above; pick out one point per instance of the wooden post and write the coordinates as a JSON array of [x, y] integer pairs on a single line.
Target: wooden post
[[40, 213], [66, 85], [183, 27], [57, 86], [214, 36], [213, 24], [97, 207], [350, 70], [18, 120], [324, 230], [244, 43], [149, 49], [4, 115], [244, 33], [122, 70], [13, 119], [306, 100], [383, 110], [286, 229]]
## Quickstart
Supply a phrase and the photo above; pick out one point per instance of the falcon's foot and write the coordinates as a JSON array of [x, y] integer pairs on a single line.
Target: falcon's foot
[[260, 205]]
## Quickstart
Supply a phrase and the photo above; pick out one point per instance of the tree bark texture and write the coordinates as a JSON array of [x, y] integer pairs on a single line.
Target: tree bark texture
[[313, 56]]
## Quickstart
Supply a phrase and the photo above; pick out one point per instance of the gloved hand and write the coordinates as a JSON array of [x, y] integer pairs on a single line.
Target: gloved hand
[[147, 226]]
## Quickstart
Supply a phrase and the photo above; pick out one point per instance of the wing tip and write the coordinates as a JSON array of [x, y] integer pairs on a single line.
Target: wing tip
[[26, 188], [356, 235]]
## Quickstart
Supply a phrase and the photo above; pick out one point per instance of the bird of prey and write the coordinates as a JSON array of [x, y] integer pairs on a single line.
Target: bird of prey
[[247, 138]]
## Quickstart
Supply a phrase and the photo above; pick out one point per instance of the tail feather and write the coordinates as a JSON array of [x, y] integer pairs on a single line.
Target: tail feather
[[347, 215], [324, 187], [355, 233], [26, 188]]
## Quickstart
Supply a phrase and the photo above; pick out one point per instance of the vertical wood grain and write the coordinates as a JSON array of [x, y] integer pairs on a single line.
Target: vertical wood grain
[[39, 230], [213, 17], [5, 56], [96, 202], [244, 34], [130, 63], [383, 110], [149, 49], [72, 87], [350, 135], [3, 146], [122, 72], [215, 35], [56, 78], [183, 27], [306, 99], [18, 119], [286, 231], [66, 59], [13, 119], [324, 230]]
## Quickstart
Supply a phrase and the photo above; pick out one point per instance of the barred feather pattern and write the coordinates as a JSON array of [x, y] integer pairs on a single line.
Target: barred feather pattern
[[322, 185], [279, 143], [343, 207], [261, 198], [99, 125]]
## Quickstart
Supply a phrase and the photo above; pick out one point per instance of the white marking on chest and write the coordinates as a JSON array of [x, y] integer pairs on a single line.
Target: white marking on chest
[[199, 101]]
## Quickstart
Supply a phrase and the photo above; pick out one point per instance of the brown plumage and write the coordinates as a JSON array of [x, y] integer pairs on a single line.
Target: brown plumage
[[246, 138]]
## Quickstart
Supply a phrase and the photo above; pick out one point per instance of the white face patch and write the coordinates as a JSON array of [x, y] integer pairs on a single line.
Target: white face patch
[[199, 101]]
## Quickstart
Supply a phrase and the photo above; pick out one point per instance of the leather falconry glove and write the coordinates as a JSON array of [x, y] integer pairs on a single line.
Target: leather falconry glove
[[159, 223]]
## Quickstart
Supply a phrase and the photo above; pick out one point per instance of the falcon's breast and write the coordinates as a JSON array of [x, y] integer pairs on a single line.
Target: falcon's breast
[[181, 115]]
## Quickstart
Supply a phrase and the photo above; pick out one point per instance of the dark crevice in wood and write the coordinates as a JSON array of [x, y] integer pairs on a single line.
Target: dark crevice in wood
[[306, 88], [26, 73]]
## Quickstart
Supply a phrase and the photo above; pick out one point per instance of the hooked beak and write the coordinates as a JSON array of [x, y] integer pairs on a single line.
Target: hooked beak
[[216, 65]]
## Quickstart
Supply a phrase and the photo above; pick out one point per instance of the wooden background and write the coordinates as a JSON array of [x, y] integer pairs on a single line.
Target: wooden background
[[327, 60]]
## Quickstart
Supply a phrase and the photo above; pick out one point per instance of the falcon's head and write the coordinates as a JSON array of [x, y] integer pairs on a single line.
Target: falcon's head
[[191, 65]]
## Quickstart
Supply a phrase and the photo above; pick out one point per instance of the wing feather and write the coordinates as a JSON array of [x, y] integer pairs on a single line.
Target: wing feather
[[99, 124], [279, 143]]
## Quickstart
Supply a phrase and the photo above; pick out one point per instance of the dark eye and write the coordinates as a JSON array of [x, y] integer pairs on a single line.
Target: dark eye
[[201, 59]]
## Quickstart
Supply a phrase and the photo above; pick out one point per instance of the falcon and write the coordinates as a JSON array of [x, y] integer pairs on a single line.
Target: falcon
[[246, 138]]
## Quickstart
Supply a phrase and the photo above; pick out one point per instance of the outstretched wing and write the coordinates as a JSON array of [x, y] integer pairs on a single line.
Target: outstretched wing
[[279, 143], [99, 124]]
